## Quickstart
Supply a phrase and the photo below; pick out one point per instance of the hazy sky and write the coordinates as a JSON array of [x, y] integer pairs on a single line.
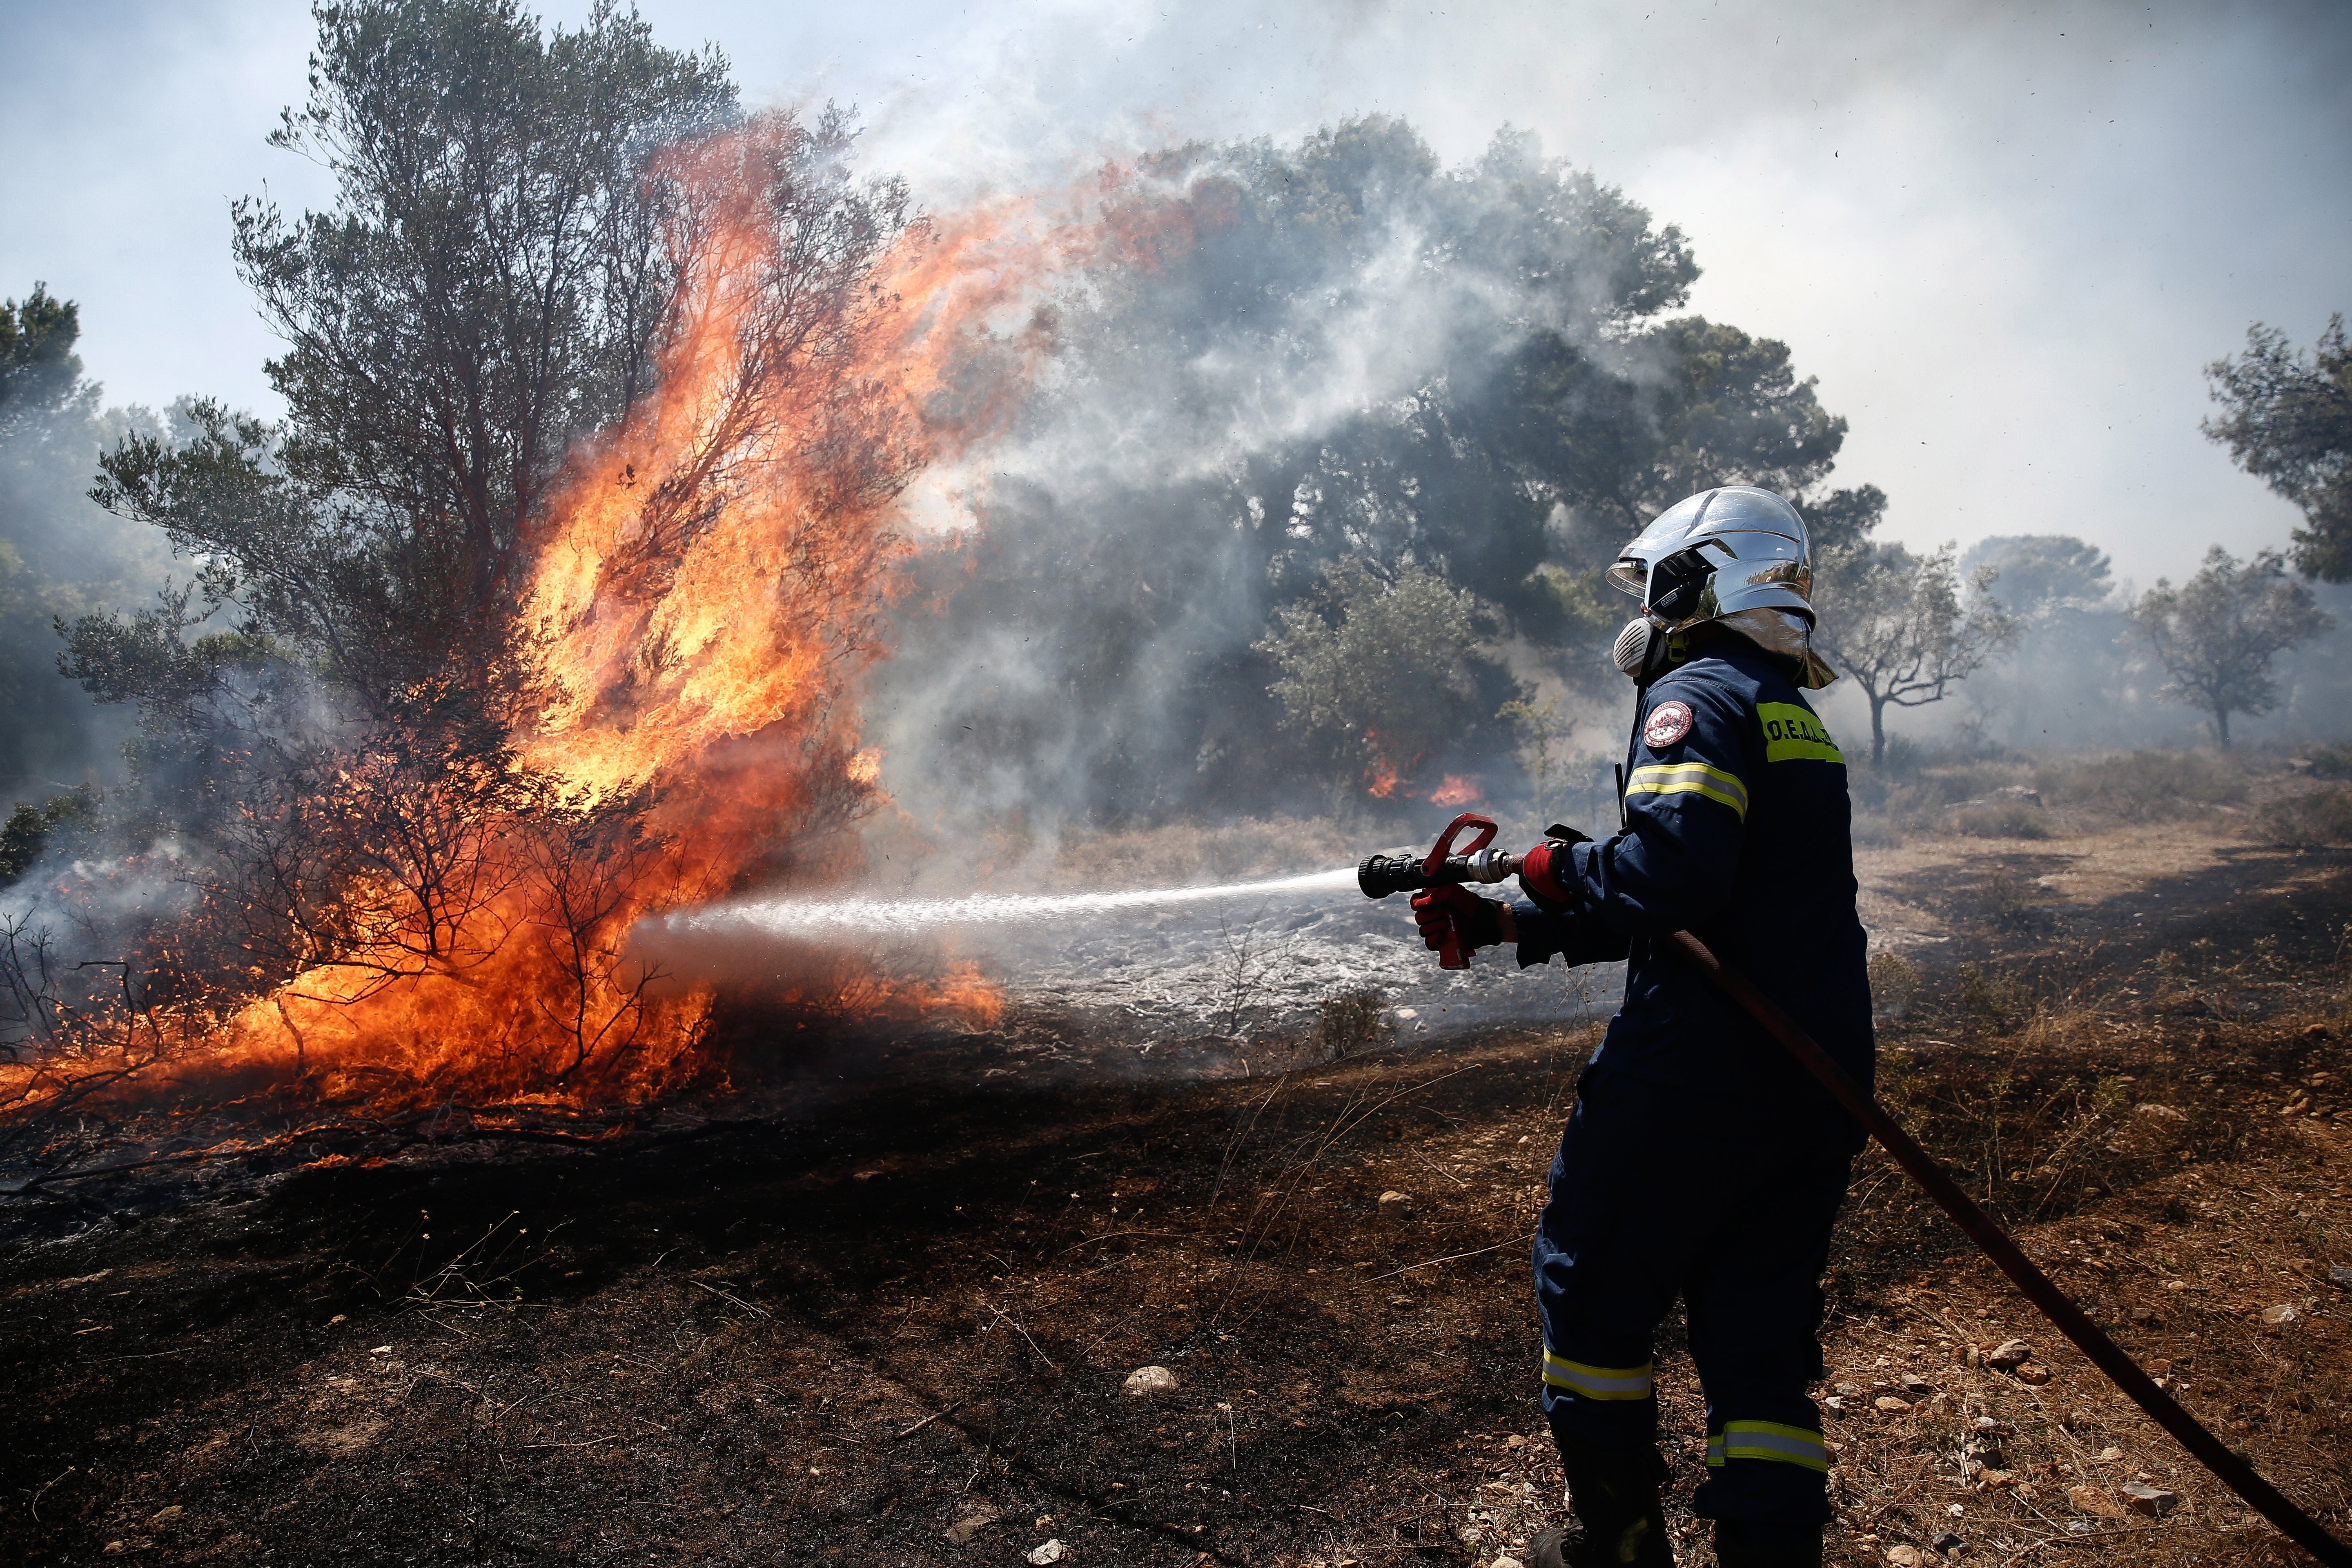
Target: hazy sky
[[2005, 237]]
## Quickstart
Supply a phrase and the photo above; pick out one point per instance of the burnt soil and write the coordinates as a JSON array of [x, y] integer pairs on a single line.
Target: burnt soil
[[882, 1310]]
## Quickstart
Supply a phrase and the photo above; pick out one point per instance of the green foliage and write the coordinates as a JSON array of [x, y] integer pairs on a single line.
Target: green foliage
[[39, 371], [2216, 634], [491, 282], [2287, 419], [32, 830], [1382, 673]]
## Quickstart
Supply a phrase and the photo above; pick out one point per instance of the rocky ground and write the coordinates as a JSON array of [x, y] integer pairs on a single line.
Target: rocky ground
[[888, 1308]]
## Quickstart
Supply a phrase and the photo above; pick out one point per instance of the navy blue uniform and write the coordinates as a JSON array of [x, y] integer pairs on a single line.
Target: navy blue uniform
[[1701, 1160]]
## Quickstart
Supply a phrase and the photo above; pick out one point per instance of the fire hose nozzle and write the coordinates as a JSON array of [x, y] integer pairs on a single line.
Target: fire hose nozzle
[[1380, 875], [1490, 865]]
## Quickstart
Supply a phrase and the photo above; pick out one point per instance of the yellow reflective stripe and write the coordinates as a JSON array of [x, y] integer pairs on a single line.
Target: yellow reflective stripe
[[1690, 778], [1596, 1381], [1793, 735], [1768, 1441]]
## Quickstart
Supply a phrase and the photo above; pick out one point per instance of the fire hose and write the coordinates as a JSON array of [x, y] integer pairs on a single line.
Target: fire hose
[[1381, 875]]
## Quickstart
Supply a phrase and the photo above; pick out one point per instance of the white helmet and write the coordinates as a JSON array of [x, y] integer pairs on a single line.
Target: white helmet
[[1737, 548], [1736, 555]]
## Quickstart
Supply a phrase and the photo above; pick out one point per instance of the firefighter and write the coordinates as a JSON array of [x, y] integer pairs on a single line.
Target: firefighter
[[1700, 1161]]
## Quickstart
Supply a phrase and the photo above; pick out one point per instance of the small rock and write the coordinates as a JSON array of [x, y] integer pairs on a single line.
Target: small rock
[[1904, 1556], [1506, 1561], [2013, 1353], [1394, 1196], [1892, 1405], [1146, 1380], [166, 1516], [1052, 1552], [975, 1517], [2153, 1501], [2284, 1312], [2095, 1503], [338, 1317], [1515, 1441], [2340, 1274], [2032, 1372], [381, 1350]]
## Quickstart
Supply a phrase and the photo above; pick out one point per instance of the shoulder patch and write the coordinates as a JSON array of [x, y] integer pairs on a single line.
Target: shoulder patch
[[1667, 723], [1793, 735]]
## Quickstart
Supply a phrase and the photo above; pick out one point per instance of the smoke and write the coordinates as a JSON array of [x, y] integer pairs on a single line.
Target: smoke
[[1297, 355]]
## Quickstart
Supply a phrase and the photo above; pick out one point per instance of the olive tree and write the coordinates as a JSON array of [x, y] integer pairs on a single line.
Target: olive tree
[[1905, 628], [2217, 632]]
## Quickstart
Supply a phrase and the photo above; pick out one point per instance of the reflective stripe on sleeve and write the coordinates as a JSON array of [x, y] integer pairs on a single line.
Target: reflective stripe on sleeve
[[1690, 778], [1767, 1441], [1596, 1381]]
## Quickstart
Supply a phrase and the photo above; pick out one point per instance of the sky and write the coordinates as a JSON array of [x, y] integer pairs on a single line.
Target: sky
[[2006, 237]]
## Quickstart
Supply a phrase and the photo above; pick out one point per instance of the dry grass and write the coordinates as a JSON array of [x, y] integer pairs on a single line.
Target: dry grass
[[846, 1335]]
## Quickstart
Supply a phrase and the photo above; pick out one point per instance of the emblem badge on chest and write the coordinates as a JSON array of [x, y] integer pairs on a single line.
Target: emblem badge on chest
[[1667, 723]]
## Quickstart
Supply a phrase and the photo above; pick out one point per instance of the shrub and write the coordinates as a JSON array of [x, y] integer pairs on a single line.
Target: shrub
[[2146, 786], [1894, 981], [2002, 819], [2308, 820], [1990, 1001], [1353, 1022], [2332, 761]]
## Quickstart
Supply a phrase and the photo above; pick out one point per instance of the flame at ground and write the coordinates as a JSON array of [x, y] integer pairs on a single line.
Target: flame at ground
[[1456, 790]]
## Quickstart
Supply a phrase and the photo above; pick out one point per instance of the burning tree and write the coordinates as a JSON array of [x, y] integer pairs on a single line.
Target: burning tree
[[539, 609], [2217, 632]]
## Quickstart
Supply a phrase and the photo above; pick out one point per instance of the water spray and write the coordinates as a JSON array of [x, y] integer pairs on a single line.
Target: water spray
[[811, 918]]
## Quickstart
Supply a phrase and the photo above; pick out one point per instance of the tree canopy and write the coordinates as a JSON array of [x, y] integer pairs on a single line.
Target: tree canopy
[[2287, 419], [2217, 632], [1297, 356], [1905, 627]]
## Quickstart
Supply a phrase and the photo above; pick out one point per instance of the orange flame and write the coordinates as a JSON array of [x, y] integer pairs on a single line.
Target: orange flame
[[1381, 778], [705, 589], [1457, 790]]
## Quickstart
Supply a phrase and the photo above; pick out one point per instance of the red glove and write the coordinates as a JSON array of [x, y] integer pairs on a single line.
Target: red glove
[[1548, 876], [1453, 911]]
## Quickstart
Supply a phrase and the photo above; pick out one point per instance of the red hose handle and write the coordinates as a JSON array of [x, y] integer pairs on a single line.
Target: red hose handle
[[1450, 953], [1443, 851]]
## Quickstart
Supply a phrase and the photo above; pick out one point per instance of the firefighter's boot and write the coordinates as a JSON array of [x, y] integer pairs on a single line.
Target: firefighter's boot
[[1614, 1491], [1745, 1543]]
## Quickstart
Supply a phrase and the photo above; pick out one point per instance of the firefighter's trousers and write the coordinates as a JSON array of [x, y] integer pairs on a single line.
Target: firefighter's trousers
[[1657, 1192]]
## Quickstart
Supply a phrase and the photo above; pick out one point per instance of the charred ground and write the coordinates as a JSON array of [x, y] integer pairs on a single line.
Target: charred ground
[[880, 1309]]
